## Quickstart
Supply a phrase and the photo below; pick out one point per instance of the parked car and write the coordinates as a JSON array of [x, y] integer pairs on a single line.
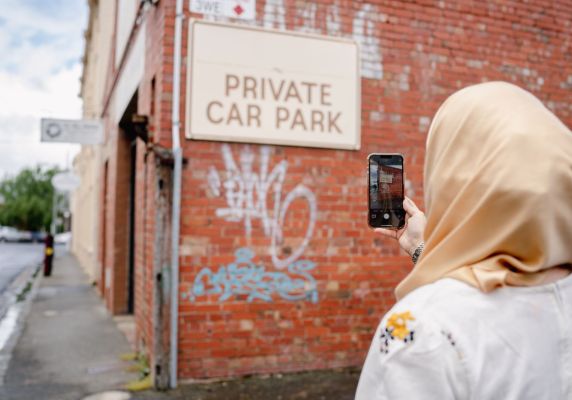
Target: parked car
[[9, 234], [25, 236], [39, 236]]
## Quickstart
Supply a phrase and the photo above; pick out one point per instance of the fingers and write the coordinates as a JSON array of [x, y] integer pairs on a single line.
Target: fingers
[[410, 207], [386, 232]]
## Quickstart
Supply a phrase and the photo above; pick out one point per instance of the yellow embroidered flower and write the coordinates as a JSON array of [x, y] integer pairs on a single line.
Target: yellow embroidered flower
[[397, 324]]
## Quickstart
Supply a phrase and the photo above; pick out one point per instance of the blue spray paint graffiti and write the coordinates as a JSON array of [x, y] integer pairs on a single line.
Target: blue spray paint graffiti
[[243, 277]]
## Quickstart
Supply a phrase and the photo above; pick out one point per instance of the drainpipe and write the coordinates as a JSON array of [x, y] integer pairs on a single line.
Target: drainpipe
[[54, 211], [175, 219]]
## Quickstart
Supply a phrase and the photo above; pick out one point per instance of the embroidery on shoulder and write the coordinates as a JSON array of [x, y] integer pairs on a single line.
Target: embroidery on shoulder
[[397, 328], [449, 337]]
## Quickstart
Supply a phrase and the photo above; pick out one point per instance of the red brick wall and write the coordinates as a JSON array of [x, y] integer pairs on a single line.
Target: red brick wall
[[154, 101], [114, 222], [414, 55], [144, 279]]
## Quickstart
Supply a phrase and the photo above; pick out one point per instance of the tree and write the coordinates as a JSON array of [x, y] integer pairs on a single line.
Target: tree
[[28, 199]]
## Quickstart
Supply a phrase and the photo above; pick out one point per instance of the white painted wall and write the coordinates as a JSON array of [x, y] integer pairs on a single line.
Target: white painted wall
[[126, 12]]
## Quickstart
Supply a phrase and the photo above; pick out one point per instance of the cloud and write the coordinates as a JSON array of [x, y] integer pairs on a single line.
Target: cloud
[[41, 43]]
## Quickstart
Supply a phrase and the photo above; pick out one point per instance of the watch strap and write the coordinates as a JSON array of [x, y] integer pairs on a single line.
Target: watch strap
[[417, 253]]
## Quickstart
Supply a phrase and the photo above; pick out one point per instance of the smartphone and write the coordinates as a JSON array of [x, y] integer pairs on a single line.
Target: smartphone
[[385, 188]]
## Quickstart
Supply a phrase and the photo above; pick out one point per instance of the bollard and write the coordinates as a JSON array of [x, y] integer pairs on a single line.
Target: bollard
[[48, 254]]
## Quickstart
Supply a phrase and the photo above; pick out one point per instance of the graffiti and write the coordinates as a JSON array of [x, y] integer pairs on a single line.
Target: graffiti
[[274, 14], [364, 34], [307, 14], [246, 194], [214, 181], [244, 277], [363, 29], [333, 20]]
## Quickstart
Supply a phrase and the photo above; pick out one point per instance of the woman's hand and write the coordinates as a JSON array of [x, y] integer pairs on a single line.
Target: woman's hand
[[411, 235]]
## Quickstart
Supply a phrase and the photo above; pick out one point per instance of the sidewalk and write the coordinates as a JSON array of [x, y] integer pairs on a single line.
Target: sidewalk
[[70, 346]]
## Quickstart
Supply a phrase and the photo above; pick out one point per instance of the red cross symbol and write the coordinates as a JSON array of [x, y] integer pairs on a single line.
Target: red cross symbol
[[238, 9]]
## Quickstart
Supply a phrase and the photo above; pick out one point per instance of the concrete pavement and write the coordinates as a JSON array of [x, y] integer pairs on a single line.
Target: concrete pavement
[[70, 347]]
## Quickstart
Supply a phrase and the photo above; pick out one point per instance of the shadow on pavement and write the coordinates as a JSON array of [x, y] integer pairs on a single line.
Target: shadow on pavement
[[318, 385]]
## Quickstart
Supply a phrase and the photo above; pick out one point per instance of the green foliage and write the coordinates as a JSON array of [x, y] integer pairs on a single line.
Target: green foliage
[[28, 199]]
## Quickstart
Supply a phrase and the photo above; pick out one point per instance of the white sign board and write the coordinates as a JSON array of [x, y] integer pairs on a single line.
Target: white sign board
[[240, 9], [71, 131], [65, 181], [252, 85]]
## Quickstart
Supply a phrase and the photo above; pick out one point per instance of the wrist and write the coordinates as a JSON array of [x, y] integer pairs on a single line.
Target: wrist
[[412, 246]]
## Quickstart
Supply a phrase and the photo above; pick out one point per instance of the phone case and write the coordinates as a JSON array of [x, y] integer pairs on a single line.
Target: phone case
[[388, 211]]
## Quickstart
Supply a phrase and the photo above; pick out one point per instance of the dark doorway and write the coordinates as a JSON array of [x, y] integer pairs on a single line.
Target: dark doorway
[[129, 143], [131, 264]]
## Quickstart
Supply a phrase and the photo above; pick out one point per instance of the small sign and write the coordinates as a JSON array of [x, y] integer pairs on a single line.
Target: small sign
[[239, 9], [385, 178], [71, 131], [65, 181]]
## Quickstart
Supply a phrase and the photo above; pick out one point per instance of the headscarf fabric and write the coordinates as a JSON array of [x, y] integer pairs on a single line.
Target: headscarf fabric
[[498, 191]]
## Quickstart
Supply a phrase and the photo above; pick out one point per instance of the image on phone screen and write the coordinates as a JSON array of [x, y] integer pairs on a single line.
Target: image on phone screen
[[386, 191]]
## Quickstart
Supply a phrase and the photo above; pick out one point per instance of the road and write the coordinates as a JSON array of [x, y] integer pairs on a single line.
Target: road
[[15, 257]]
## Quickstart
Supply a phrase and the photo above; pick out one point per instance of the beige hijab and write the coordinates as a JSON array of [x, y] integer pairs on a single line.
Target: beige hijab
[[498, 192]]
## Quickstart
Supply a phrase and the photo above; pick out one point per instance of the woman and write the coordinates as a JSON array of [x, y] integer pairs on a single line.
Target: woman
[[486, 313]]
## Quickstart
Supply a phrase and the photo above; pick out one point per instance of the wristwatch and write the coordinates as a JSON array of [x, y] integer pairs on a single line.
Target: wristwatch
[[417, 253]]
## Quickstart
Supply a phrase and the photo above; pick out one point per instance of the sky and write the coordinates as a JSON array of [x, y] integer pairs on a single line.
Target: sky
[[41, 42]]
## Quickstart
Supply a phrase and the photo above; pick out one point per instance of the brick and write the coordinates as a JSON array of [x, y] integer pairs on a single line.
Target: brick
[[427, 52]]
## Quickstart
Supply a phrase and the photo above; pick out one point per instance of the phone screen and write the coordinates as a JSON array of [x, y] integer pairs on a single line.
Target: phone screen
[[386, 191]]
